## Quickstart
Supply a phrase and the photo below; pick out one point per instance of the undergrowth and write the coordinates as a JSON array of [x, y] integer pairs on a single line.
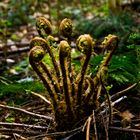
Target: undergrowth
[[16, 91]]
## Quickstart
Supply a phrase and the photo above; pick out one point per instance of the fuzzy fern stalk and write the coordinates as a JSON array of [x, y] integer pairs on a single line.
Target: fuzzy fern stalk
[[70, 94], [64, 54], [35, 57], [84, 44], [110, 43]]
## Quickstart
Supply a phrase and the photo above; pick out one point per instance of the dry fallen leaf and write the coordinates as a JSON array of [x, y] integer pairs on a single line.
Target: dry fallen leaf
[[126, 117]]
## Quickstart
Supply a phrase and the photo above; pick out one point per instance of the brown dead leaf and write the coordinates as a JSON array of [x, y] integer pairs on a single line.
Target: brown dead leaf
[[127, 115]]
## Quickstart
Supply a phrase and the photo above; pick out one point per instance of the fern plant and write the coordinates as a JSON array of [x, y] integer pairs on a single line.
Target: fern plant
[[124, 68], [77, 98], [70, 91]]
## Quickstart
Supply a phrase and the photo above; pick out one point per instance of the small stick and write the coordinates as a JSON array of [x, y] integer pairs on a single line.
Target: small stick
[[22, 125], [26, 112], [112, 104], [17, 136], [106, 127], [95, 127], [11, 131], [136, 121], [122, 93], [83, 129], [40, 96], [88, 128], [109, 102], [56, 134], [125, 129], [119, 96]]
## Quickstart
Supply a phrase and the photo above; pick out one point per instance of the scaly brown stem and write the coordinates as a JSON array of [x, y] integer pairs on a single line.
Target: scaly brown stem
[[85, 45], [35, 56], [63, 58], [91, 92], [51, 77], [54, 62], [110, 43], [38, 41]]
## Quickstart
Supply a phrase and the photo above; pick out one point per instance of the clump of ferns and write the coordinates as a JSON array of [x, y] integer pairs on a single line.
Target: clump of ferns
[[73, 95]]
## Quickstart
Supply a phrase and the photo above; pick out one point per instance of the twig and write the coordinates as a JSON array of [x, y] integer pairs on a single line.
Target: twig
[[84, 126], [125, 129], [17, 137], [95, 127], [112, 104], [22, 125], [136, 121], [118, 100], [106, 127], [109, 102], [11, 131], [56, 134], [119, 96], [4, 137], [26, 112], [5, 80], [88, 128], [42, 97], [122, 93]]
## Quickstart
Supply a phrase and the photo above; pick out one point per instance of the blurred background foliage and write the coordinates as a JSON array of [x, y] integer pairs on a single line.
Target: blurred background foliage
[[96, 17]]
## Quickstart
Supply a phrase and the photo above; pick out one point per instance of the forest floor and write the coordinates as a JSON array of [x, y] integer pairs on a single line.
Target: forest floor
[[19, 88]]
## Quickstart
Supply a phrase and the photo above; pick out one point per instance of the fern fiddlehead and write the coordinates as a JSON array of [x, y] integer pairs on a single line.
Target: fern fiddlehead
[[38, 41], [35, 56], [51, 41], [64, 54], [84, 44], [66, 28], [110, 43], [43, 27]]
